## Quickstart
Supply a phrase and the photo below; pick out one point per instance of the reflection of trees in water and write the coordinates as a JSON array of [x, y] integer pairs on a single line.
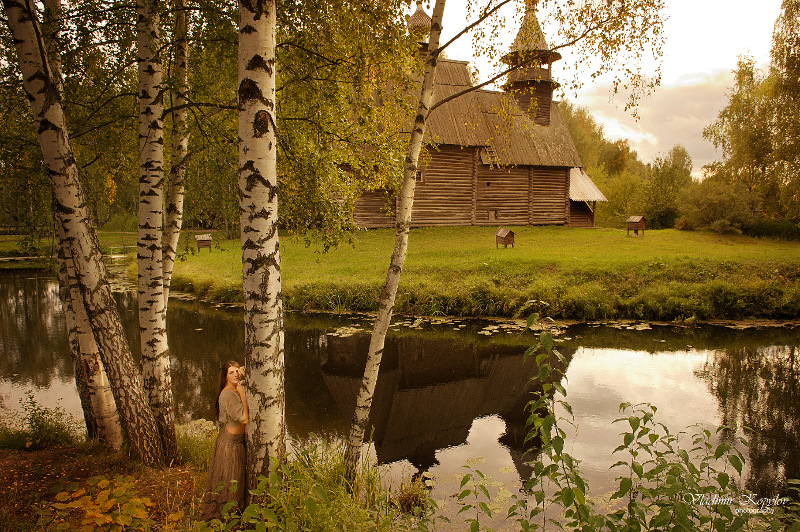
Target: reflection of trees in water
[[33, 332], [759, 388]]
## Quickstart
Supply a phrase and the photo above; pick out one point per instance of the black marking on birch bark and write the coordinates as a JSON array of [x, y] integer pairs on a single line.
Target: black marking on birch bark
[[60, 208], [149, 70], [248, 29], [257, 62], [46, 125], [256, 7], [261, 123], [249, 90]]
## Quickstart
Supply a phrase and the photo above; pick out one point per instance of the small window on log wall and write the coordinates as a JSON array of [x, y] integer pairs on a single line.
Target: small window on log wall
[[418, 177], [492, 215]]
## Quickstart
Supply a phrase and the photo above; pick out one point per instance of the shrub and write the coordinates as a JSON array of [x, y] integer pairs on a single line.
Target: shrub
[[715, 205], [40, 428], [782, 229]]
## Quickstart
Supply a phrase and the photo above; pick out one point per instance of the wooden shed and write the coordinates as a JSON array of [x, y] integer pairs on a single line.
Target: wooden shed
[[503, 237], [635, 224], [499, 157]]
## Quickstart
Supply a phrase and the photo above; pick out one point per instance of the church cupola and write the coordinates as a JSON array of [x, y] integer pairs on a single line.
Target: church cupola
[[531, 83], [419, 25]]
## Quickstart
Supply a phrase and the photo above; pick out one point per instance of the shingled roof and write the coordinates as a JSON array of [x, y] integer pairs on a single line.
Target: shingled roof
[[494, 119]]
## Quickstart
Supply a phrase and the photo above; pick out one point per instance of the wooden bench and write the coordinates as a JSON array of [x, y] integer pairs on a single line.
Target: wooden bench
[[203, 241]]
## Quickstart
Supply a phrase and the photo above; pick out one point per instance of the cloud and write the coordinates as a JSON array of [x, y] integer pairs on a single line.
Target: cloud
[[675, 114]]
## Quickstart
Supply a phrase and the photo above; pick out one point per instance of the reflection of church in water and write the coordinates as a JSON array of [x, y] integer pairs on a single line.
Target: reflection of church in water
[[431, 389]]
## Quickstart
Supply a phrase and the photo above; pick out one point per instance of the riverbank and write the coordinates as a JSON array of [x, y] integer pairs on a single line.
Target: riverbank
[[566, 273]]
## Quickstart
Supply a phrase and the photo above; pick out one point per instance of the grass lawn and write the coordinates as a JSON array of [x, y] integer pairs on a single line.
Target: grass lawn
[[576, 273]]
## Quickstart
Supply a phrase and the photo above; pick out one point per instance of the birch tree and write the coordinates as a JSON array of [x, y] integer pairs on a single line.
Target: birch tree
[[94, 388], [73, 217], [180, 146], [402, 226], [152, 301], [258, 216]]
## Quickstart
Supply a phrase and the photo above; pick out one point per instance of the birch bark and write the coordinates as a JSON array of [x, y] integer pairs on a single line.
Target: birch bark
[[152, 303], [258, 213], [173, 223], [402, 225], [73, 217], [90, 375]]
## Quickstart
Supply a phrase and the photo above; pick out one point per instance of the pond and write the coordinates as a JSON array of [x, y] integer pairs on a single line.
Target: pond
[[452, 390]]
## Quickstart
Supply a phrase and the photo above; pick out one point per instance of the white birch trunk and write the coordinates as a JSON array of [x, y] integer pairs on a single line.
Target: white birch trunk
[[152, 304], [73, 216], [90, 375], [258, 213], [402, 225], [173, 222]]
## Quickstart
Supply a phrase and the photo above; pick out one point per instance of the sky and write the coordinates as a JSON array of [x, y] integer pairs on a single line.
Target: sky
[[704, 39]]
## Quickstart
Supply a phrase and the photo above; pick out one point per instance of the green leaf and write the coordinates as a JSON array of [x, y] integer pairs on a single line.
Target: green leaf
[[628, 439], [637, 468], [532, 319], [558, 444], [624, 487], [722, 448], [544, 372], [466, 479], [547, 341], [722, 480], [485, 508], [311, 506], [735, 462], [567, 497], [634, 422], [319, 492]]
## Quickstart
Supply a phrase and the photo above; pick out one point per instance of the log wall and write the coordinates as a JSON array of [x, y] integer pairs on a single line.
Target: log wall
[[580, 215], [549, 203], [444, 196], [502, 195], [456, 189], [372, 211]]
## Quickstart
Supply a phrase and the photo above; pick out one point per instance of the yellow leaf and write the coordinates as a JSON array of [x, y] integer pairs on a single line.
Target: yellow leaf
[[78, 493], [62, 496], [103, 483], [177, 516]]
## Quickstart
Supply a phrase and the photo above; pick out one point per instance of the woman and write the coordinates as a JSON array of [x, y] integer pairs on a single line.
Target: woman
[[228, 461]]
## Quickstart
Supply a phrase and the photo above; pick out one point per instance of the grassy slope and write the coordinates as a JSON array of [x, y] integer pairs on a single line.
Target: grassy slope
[[579, 274]]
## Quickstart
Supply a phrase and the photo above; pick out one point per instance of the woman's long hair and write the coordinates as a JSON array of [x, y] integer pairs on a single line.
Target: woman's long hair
[[223, 381]]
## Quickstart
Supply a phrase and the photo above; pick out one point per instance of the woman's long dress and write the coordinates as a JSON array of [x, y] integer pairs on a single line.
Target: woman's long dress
[[228, 461]]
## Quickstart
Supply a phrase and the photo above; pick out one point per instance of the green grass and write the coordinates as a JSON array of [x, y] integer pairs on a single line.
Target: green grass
[[579, 274]]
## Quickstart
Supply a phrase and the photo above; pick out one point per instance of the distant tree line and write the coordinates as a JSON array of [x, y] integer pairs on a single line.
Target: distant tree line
[[754, 189]]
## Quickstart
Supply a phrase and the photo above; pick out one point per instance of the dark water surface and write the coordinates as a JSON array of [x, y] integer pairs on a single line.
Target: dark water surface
[[451, 391]]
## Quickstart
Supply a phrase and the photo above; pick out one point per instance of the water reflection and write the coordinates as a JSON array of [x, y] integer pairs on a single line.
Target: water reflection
[[758, 388], [446, 393]]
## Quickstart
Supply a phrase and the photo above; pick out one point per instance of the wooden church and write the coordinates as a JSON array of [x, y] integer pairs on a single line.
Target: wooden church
[[495, 157]]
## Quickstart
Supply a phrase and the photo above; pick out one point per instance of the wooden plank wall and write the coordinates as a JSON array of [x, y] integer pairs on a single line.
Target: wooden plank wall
[[503, 191], [536, 100], [457, 190], [548, 196], [444, 196], [580, 215], [371, 211]]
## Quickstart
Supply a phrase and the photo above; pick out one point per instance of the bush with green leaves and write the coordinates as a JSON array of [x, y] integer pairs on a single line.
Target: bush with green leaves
[[40, 427], [668, 481]]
